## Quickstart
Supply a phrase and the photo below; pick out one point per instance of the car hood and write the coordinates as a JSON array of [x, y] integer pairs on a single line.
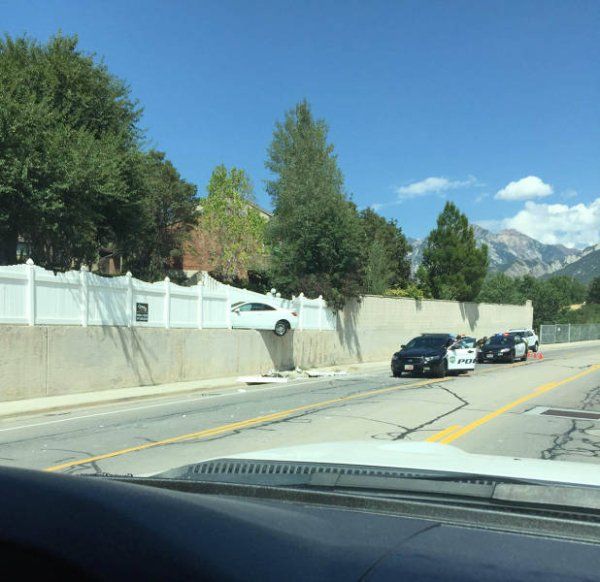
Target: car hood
[[421, 352], [431, 457]]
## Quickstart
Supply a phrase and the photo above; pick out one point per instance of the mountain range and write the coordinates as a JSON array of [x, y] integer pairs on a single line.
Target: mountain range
[[517, 254]]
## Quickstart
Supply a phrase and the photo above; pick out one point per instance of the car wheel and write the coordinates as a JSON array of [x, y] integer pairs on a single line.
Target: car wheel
[[396, 374], [281, 327], [536, 347], [511, 359], [524, 357]]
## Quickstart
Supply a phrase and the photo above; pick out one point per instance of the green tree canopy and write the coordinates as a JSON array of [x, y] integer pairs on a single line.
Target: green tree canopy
[[593, 295], [453, 267], [315, 231], [68, 134], [231, 232], [168, 209], [385, 253], [500, 288]]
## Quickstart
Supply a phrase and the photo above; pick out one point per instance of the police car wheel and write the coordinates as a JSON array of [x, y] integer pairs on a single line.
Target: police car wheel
[[536, 347]]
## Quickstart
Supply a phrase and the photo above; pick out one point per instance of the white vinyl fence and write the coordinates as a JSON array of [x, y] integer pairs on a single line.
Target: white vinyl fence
[[31, 295]]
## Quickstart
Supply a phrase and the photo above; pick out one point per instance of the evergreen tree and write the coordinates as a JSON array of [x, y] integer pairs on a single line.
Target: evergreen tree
[[593, 295], [315, 232], [453, 267], [385, 258]]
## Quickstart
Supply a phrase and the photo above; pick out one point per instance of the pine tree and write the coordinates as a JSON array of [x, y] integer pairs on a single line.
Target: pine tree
[[315, 232], [453, 266]]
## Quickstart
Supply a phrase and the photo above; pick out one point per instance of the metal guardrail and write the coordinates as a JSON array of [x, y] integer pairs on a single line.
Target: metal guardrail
[[569, 332]]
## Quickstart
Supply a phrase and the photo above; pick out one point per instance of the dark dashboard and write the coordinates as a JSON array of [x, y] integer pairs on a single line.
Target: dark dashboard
[[83, 527]]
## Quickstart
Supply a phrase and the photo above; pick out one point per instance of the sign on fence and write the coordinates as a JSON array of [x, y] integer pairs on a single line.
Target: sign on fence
[[31, 295], [141, 312]]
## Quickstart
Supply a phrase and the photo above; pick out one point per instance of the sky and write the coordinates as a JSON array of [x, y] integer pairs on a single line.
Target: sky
[[493, 105]]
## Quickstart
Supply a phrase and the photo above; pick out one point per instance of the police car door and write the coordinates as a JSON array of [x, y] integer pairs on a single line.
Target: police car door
[[520, 347], [461, 358]]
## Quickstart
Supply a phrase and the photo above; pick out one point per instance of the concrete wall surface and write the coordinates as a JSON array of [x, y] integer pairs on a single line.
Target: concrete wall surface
[[51, 360]]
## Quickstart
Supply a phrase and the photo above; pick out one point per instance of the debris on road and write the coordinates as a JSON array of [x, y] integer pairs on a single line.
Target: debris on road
[[282, 376], [262, 380], [325, 374]]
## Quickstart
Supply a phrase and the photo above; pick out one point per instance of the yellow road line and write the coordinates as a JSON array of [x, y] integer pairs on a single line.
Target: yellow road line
[[250, 422], [442, 433], [536, 392]]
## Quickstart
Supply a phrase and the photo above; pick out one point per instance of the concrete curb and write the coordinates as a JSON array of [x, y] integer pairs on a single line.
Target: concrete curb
[[69, 401]]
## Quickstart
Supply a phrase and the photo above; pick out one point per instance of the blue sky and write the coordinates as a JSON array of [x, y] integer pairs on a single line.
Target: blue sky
[[426, 101]]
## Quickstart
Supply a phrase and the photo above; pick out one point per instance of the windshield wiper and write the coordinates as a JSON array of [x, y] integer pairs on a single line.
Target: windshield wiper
[[337, 477], [379, 481], [387, 481]]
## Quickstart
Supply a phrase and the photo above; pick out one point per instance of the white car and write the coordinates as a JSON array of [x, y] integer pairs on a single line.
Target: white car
[[530, 337], [255, 315]]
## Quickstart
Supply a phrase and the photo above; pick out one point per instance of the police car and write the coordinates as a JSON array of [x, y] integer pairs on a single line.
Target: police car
[[533, 342], [439, 354], [503, 347]]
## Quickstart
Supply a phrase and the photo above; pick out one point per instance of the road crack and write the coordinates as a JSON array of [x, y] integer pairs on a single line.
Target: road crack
[[396, 436]]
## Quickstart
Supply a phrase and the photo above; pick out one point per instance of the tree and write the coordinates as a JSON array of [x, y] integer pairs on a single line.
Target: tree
[[500, 288], [411, 290], [230, 233], [570, 290], [593, 295], [453, 267], [167, 211], [68, 133], [315, 231], [385, 256]]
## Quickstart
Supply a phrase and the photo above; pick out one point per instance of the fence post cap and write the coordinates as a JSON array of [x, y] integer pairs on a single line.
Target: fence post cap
[[84, 268], [167, 280], [273, 291], [321, 297], [278, 294], [128, 274], [29, 262], [301, 294]]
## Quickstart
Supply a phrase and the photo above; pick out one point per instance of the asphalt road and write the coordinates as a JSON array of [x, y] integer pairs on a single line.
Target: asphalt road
[[498, 409]]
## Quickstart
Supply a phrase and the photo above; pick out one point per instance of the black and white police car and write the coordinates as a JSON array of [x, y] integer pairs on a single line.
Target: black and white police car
[[434, 353], [503, 347]]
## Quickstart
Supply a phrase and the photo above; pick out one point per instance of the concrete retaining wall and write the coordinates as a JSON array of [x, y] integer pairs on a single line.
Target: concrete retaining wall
[[52, 360]]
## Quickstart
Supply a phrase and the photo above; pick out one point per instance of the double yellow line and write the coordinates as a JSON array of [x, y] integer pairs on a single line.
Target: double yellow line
[[251, 422], [445, 436]]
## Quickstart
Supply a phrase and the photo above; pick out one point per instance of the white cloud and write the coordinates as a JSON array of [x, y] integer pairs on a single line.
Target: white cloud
[[573, 226], [568, 194], [525, 189], [433, 185]]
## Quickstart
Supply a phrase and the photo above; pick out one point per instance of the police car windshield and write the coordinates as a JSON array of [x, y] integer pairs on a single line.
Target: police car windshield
[[427, 342], [501, 340]]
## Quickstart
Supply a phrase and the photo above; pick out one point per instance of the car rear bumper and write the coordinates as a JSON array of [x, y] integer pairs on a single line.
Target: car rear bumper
[[495, 358], [414, 368]]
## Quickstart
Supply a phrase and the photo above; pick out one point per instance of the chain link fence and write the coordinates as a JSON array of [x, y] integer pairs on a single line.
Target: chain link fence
[[568, 332]]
